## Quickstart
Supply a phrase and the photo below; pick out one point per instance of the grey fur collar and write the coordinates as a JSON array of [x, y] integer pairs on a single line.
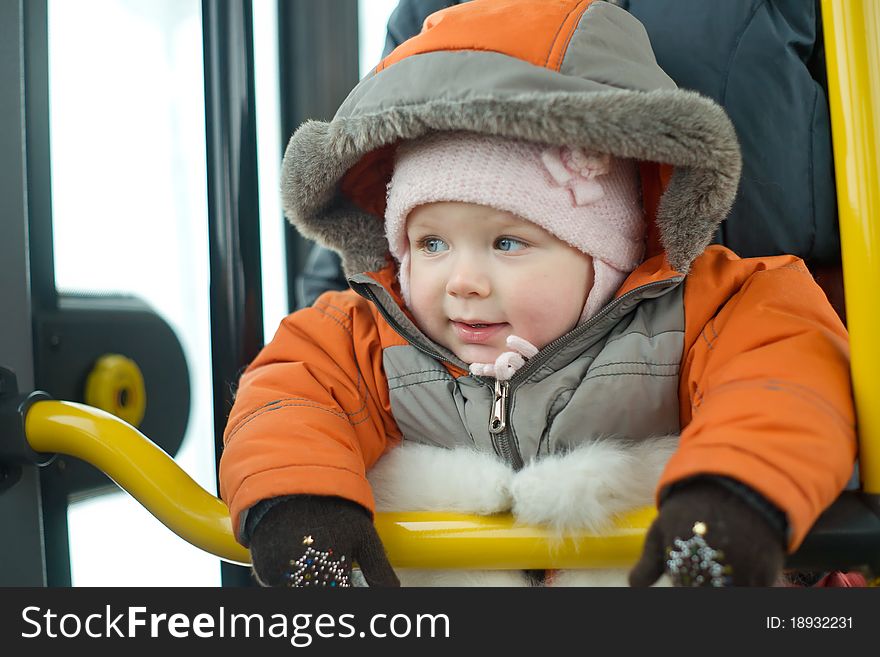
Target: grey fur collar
[[676, 127]]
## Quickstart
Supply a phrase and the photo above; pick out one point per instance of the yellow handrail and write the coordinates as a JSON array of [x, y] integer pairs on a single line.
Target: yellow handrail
[[412, 540], [852, 50], [138, 466], [446, 540]]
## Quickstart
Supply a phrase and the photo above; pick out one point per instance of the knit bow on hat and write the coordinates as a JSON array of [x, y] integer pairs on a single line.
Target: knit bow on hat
[[577, 169]]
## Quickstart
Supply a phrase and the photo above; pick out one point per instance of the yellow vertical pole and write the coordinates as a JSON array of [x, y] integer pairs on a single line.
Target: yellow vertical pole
[[852, 50]]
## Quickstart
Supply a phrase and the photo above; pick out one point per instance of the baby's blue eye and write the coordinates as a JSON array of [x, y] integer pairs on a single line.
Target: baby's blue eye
[[509, 244], [434, 245]]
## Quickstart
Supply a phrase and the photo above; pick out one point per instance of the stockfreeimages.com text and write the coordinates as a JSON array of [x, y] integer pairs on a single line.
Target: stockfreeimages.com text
[[300, 629]]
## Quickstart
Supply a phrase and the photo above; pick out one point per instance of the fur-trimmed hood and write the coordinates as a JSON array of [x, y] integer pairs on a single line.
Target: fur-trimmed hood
[[562, 72]]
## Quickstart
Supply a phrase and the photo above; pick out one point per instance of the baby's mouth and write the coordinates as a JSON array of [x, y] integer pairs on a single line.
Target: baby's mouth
[[477, 332]]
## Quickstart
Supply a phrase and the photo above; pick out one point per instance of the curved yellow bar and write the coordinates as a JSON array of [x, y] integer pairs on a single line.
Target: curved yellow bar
[[412, 540], [852, 50], [140, 467], [447, 540]]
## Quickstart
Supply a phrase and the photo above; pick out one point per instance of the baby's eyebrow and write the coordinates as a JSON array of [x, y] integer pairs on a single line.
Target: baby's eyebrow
[[516, 225], [519, 226], [424, 227]]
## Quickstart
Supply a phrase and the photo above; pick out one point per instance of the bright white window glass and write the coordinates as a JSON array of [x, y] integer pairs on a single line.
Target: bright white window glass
[[373, 18], [372, 25], [130, 216], [269, 151]]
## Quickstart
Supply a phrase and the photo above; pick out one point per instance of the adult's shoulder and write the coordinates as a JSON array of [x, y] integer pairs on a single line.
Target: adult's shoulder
[[407, 18]]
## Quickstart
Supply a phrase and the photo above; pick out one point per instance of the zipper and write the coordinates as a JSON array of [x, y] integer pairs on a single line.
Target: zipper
[[498, 420], [502, 438]]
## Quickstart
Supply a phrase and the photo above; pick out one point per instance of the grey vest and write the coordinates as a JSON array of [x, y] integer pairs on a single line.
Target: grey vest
[[615, 376]]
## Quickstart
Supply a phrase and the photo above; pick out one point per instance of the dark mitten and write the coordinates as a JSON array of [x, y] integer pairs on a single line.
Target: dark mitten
[[749, 551], [309, 540]]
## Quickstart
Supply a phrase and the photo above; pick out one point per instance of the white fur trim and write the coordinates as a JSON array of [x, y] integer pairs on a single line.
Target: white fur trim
[[416, 477], [586, 488]]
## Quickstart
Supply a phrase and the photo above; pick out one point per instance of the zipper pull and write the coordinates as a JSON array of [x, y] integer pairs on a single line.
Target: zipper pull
[[498, 420]]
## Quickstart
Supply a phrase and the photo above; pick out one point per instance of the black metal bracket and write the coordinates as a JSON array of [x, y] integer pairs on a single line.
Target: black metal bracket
[[14, 448]]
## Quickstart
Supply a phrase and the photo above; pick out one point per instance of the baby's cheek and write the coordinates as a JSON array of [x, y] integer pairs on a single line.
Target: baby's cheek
[[548, 312], [559, 296], [425, 311]]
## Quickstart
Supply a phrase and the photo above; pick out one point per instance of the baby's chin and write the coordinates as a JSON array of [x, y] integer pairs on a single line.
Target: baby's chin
[[477, 353]]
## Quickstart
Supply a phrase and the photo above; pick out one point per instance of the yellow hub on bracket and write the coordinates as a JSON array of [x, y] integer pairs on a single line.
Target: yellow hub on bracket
[[116, 385]]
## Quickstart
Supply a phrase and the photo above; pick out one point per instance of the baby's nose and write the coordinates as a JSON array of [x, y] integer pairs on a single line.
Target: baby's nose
[[467, 278]]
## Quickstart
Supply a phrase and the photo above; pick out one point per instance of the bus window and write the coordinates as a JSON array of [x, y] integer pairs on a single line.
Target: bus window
[[127, 124]]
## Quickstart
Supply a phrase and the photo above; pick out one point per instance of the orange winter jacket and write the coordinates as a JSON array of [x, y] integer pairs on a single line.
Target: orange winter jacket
[[764, 392], [744, 358]]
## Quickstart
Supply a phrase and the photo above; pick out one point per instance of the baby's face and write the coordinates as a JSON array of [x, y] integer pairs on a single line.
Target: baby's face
[[478, 275]]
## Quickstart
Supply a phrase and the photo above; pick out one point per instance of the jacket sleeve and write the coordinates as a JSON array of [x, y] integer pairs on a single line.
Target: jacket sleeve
[[771, 404], [312, 412]]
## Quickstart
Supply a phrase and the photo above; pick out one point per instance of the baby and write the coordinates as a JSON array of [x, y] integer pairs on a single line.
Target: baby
[[523, 200], [504, 248]]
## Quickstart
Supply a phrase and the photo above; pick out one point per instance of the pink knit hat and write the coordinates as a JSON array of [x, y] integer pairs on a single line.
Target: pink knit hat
[[588, 200]]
